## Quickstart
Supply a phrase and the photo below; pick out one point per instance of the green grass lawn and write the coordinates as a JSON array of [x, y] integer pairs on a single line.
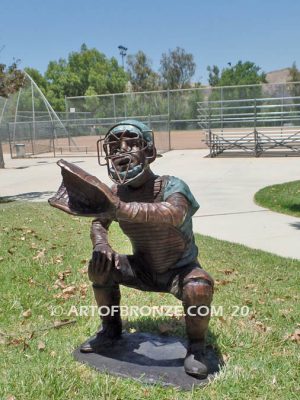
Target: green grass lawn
[[43, 250], [283, 198]]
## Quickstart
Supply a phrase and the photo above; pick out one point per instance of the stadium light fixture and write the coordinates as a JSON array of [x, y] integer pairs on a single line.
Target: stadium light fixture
[[123, 53]]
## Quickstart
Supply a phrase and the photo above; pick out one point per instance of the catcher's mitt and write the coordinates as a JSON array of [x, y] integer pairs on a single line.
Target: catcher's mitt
[[83, 194]]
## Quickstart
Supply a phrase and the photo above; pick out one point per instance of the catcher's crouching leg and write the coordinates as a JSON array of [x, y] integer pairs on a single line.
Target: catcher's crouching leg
[[108, 301], [197, 297]]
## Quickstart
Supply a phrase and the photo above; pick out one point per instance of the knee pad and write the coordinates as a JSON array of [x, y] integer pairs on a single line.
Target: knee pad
[[197, 288], [198, 274]]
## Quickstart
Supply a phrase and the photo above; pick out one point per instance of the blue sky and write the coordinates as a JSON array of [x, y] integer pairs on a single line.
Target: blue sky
[[266, 32]]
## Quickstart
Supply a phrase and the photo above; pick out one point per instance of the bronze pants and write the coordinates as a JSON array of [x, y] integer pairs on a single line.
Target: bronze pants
[[189, 283]]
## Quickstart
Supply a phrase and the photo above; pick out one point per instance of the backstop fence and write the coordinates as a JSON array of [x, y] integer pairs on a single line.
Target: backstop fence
[[179, 118]]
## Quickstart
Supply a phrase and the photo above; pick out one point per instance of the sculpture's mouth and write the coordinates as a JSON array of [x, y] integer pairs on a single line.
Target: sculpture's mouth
[[125, 163]]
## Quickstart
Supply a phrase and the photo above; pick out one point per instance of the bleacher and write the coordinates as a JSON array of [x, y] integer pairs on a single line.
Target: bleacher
[[264, 126]]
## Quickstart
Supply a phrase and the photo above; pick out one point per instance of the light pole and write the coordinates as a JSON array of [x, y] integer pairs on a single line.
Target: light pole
[[122, 53]]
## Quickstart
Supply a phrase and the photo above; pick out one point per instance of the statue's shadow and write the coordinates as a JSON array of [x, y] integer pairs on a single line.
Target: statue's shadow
[[151, 358]]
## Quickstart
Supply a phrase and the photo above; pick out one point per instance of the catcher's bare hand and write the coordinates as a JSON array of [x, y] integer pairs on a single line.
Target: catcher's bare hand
[[101, 264]]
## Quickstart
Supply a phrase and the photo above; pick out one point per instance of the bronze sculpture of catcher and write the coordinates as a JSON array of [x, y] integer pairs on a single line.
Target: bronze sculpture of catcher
[[155, 212]]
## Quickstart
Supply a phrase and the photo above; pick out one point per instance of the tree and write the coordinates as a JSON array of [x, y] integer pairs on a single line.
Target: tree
[[177, 69], [214, 75], [141, 75], [107, 77], [61, 82], [243, 73], [295, 77], [96, 72], [85, 72], [38, 78], [294, 73], [11, 79]]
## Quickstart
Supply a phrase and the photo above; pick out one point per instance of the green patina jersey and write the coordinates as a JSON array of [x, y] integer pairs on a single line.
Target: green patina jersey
[[176, 185]]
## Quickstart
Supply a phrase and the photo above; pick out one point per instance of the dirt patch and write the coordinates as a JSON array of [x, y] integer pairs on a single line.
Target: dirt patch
[[177, 140], [184, 140]]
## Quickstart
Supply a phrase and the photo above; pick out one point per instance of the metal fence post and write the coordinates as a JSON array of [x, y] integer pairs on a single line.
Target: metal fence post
[[282, 96], [255, 131], [209, 132], [16, 113], [2, 165], [114, 106], [1, 156], [53, 138], [30, 126], [221, 104], [33, 139], [125, 107], [169, 122], [9, 140]]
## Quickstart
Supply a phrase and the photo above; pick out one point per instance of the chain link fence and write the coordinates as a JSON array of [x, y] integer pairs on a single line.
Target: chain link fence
[[173, 114], [29, 125]]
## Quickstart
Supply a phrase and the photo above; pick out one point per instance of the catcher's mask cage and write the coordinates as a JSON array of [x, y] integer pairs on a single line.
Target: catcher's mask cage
[[134, 132]]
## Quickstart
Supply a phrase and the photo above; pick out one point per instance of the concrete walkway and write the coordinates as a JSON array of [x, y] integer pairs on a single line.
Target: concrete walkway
[[224, 187]]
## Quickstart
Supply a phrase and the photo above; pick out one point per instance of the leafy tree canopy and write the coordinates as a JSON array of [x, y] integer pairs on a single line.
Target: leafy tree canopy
[[294, 73], [38, 78], [11, 79], [213, 75], [243, 73], [177, 68], [142, 77], [84, 73], [295, 77]]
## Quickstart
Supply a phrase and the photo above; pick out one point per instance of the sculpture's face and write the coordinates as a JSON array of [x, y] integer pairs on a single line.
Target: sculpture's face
[[128, 153]]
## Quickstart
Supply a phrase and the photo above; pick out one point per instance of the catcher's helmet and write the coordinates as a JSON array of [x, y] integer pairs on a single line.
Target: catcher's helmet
[[129, 149]]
